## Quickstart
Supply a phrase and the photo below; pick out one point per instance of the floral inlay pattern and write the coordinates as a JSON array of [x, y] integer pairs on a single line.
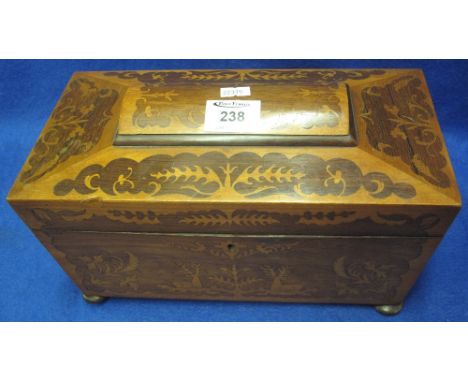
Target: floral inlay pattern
[[152, 80], [368, 275], [241, 268], [247, 174], [400, 123], [103, 270], [75, 127]]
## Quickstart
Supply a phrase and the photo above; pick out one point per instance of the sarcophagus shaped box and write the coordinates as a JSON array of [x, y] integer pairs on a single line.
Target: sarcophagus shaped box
[[258, 185]]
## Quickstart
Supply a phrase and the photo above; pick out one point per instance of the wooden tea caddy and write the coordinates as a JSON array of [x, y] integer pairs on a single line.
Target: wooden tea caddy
[[339, 194]]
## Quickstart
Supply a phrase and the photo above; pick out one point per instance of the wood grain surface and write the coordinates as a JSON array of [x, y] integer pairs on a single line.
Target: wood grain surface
[[344, 203], [359, 270]]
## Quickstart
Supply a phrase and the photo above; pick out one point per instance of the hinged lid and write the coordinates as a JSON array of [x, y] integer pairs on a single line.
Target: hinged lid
[[346, 152], [295, 109]]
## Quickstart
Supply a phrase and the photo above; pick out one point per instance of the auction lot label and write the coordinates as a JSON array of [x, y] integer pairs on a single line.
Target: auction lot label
[[232, 116]]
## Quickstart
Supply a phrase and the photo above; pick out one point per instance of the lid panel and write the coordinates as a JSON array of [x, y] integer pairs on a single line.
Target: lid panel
[[393, 166], [286, 110], [298, 112]]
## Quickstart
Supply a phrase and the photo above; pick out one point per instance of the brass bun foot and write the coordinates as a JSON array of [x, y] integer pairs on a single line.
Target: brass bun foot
[[94, 299], [389, 310]]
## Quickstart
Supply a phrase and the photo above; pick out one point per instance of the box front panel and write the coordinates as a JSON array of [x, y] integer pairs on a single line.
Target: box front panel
[[251, 268]]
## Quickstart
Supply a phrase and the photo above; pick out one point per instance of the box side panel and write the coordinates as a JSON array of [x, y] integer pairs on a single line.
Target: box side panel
[[82, 123], [243, 268], [397, 122]]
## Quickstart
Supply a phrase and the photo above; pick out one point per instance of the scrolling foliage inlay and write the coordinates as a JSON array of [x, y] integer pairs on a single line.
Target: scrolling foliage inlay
[[150, 111], [399, 122], [368, 275], [159, 89], [246, 173], [107, 270], [75, 128], [215, 220], [151, 80]]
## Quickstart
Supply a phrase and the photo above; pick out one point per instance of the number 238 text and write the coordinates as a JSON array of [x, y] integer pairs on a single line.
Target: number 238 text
[[232, 116]]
